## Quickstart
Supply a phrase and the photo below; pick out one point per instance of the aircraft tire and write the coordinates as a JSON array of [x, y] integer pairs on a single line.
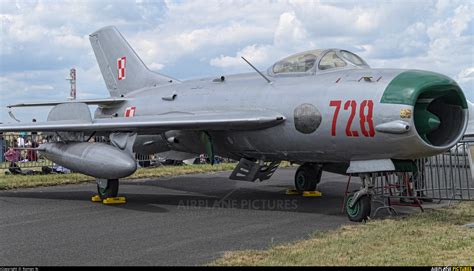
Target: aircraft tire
[[307, 178], [361, 210], [111, 191]]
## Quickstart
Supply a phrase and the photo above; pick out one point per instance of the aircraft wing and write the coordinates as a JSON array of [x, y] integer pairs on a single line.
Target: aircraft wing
[[103, 101], [236, 120]]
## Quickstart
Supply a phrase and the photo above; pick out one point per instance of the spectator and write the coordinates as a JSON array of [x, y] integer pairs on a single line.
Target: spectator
[[34, 134], [20, 142], [12, 155], [2, 144], [32, 155]]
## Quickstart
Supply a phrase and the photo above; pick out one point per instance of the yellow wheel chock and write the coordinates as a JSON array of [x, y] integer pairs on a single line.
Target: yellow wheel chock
[[293, 192], [312, 194], [108, 201], [304, 193], [116, 200]]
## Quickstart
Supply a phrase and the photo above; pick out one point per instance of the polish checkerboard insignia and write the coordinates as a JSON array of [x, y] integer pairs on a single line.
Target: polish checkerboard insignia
[[130, 111], [121, 62]]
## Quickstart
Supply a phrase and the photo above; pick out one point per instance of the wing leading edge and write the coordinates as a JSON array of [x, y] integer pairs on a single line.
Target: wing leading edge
[[237, 120], [103, 101]]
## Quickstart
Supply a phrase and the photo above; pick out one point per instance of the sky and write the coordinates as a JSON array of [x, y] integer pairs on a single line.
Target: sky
[[41, 40]]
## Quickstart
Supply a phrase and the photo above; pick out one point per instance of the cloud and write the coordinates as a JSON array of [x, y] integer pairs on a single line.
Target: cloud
[[253, 53], [289, 34], [41, 40], [466, 75]]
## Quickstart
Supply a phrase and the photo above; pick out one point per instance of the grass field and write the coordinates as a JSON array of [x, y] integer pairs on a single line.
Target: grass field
[[434, 238], [18, 181]]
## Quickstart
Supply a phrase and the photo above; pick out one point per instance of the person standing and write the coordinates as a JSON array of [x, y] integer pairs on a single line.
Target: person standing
[[2, 148]]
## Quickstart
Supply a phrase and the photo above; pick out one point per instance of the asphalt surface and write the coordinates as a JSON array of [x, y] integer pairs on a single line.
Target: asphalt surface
[[186, 220]]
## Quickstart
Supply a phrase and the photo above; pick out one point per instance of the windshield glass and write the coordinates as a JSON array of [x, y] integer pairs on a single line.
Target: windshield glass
[[302, 62], [331, 61], [353, 58]]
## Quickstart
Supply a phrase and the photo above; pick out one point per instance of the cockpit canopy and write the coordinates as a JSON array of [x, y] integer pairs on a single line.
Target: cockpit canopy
[[317, 60]]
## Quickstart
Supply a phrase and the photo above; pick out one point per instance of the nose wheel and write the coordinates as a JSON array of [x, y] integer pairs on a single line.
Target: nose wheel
[[358, 204], [360, 210], [107, 188], [307, 177]]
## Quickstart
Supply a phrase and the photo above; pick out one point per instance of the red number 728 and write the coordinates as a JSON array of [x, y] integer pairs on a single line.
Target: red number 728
[[365, 119]]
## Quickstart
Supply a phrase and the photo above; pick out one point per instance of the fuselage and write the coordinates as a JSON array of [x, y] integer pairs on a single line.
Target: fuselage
[[343, 99]]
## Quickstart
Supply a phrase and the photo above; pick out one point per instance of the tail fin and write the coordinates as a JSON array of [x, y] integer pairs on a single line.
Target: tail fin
[[121, 67]]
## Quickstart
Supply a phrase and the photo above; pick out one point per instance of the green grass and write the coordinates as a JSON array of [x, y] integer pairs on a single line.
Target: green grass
[[436, 237], [25, 165], [19, 181]]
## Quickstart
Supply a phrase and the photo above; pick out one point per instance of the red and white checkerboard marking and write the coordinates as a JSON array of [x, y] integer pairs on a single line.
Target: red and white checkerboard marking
[[130, 111], [121, 67]]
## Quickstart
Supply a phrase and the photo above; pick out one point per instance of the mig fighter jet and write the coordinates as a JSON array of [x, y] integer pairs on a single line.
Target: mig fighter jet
[[321, 109]]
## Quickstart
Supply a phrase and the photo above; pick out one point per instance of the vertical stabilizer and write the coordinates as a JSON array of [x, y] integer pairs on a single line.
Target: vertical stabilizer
[[121, 67]]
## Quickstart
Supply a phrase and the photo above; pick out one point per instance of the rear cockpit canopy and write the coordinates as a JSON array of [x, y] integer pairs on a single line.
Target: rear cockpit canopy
[[317, 61]]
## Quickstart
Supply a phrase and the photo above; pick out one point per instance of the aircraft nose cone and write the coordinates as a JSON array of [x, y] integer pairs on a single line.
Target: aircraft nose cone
[[425, 121]]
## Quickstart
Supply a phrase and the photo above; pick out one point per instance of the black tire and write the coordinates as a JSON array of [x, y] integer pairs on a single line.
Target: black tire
[[110, 191], [307, 177], [360, 211]]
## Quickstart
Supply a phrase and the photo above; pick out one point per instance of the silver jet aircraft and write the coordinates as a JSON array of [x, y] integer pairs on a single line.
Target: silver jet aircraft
[[321, 109]]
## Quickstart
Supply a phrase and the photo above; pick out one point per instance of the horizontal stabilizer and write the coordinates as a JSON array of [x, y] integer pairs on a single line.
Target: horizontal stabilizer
[[240, 120], [104, 101]]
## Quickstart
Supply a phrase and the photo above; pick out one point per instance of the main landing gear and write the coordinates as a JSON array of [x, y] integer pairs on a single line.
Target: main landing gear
[[358, 204], [107, 190], [308, 176]]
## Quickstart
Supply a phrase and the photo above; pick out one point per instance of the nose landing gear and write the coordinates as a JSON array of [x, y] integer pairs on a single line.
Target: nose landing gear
[[358, 204]]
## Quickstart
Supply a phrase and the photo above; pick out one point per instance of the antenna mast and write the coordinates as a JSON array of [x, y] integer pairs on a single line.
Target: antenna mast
[[72, 80], [261, 74]]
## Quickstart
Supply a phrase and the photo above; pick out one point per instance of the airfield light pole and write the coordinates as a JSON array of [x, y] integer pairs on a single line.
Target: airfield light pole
[[72, 80]]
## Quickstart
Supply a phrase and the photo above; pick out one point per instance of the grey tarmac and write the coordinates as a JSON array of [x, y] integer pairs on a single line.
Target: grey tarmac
[[185, 220]]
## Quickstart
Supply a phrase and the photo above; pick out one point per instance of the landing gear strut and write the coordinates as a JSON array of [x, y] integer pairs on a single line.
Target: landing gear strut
[[107, 188], [358, 204], [308, 176]]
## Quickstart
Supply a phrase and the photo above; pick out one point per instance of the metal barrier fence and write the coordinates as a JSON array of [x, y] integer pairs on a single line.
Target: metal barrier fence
[[28, 158], [32, 159], [447, 176]]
